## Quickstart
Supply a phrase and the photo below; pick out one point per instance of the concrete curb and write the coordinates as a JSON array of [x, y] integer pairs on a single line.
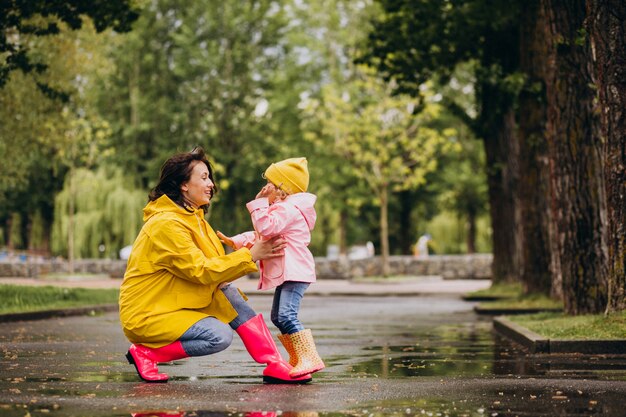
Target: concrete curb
[[62, 312], [511, 311], [536, 343], [483, 298]]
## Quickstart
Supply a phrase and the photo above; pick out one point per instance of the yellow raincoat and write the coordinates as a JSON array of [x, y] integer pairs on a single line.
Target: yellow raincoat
[[173, 274]]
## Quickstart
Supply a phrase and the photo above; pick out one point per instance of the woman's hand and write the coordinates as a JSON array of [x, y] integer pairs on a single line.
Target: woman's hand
[[226, 240], [264, 249]]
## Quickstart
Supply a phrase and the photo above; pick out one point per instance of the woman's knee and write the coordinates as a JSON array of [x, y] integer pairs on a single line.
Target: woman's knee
[[222, 339], [206, 337]]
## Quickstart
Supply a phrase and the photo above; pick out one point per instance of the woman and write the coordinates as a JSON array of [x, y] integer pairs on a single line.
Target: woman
[[176, 299]]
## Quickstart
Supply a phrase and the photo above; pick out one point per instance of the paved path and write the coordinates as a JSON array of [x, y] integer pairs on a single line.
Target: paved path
[[391, 355]]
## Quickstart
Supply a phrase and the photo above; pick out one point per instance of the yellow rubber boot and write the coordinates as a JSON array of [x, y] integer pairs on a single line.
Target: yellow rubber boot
[[309, 360], [286, 341]]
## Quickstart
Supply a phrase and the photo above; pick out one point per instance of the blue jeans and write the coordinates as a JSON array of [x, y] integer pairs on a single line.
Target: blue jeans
[[209, 335], [286, 306]]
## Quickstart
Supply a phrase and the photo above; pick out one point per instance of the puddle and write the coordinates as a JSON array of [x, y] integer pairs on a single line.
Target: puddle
[[476, 351]]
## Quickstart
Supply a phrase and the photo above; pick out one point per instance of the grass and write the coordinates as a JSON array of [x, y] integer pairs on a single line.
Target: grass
[[587, 327], [500, 290], [21, 299], [523, 302]]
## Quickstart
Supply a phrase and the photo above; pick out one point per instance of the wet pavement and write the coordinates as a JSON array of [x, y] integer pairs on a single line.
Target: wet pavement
[[388, 355]]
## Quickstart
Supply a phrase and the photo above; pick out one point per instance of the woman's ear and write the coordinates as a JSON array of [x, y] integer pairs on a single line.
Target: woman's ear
[[184, 187]]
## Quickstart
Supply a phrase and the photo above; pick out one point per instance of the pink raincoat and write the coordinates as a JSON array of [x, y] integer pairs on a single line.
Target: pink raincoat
[[292, 218]]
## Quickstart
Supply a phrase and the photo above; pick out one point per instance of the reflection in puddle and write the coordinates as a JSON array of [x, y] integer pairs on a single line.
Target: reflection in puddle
[[474, 351]]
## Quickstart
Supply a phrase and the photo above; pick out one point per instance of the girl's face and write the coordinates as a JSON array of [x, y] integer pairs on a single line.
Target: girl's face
[[199, 189]]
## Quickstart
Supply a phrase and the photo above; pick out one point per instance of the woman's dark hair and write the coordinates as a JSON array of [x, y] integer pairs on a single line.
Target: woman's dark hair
[[176, 171]]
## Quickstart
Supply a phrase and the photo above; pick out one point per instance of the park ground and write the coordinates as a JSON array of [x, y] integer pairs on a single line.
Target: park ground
[[388, 352]]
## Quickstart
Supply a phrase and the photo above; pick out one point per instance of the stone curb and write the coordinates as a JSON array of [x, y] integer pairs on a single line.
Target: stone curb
[[511, 311], [62, 312], [483, 298], [536, 343]]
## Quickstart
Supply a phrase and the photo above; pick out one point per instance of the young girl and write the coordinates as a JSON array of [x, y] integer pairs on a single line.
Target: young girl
[[284, 208]]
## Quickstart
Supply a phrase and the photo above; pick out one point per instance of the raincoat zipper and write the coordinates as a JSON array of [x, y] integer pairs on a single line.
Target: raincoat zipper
[[199, 224]]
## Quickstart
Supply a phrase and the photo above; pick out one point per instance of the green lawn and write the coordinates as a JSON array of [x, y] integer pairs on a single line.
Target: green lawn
[[522, 302], [19, 299], [588, 327]]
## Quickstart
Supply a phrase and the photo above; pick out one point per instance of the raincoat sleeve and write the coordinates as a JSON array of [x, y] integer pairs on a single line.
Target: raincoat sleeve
[[244, 240], [175, 250], [270, 223]]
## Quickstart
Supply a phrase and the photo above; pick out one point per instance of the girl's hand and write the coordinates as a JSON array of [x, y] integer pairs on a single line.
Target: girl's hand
[[226, 240], [265, 191], [264, 249]]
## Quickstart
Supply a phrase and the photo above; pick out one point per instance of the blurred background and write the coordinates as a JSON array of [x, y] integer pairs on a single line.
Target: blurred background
[[110, 90]]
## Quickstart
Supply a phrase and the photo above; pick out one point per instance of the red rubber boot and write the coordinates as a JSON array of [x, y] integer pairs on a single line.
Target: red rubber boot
[[145, 359], [258, 341]]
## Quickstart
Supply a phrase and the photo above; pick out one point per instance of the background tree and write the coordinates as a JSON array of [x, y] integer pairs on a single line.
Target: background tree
[[413, 42], [203, 73], [539, 237], [33, 125], [388, 146]]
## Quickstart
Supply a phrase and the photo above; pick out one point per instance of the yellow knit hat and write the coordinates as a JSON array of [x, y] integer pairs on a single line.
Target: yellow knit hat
[[290, 175]]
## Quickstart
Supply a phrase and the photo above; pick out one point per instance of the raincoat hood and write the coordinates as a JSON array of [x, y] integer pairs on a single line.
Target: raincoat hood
[[165, 204], [305, 202]]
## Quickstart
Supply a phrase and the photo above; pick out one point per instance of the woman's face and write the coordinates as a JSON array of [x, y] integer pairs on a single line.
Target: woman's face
[[199, 189]]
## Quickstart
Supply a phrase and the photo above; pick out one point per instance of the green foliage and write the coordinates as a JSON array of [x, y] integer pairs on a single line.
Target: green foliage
[[236, 78], [108, 211], [449, 233], [386, 144], [21, 21], [20, 299], [15, 237], [37, 233]]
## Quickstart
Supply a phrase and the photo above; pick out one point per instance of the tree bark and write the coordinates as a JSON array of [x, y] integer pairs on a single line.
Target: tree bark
[[606, 22], [501, 155], [576, 156], [534, 170]]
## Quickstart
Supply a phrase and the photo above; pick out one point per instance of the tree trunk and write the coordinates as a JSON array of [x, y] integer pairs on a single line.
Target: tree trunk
[[534, 170], [343, 229], [607, 25], [575, 150], [501, 178], [384, 230], [471, 231], [496, 125], [70, 223]]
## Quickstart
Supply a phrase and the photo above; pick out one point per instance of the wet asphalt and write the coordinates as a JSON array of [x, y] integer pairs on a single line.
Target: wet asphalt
[[425, 355]]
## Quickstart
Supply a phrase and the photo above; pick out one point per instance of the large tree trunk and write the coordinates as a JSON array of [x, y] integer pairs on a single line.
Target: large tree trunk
[[607, 26], [534, 173], [575, 150]]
